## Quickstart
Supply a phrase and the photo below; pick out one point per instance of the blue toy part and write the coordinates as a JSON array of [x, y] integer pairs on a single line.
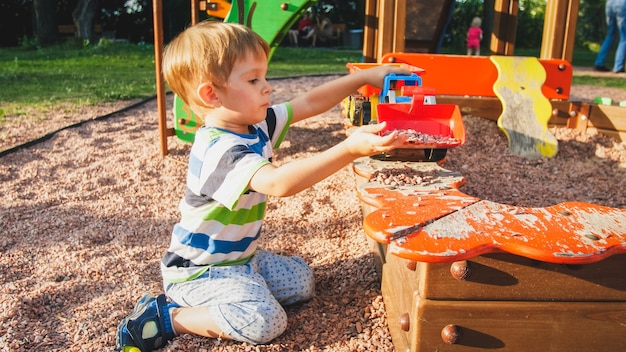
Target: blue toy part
[[388, 95]]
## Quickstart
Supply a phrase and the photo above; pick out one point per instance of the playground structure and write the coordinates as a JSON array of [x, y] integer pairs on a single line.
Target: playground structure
[[519, 94], [390, 28], [461, 273], [388, 32], [270, 19], [443, 72], [464, 274]]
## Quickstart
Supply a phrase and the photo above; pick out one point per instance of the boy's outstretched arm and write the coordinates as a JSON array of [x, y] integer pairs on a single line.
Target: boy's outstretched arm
[[329, 94], [298, 175]]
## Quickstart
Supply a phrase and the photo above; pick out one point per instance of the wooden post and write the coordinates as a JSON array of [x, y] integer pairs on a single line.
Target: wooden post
[[559, 29], [386, 35], [399, 21], [370, 31], [391, 27], [195, 11], [504, 27], [157, 15], [579, 116]]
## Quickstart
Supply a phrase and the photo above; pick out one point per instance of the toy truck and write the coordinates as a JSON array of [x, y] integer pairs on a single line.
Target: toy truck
[[405, 105]]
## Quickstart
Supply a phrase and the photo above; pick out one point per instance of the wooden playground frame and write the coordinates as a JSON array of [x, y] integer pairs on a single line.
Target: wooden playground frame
[[383, 33], [384, 21]]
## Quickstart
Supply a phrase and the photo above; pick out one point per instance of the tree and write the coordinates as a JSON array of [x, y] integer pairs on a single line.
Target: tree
[[45, 21], [83, 16], [350, 12], [591, 27]]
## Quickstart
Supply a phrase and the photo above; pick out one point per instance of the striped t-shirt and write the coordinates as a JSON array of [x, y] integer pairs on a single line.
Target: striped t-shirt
[[220, 217]]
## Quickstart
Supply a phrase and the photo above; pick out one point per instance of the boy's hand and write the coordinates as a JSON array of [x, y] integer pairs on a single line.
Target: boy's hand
[[376, 75], [365, 141]]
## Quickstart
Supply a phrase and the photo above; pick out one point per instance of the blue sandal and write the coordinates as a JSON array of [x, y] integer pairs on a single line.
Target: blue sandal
[[148, 327]]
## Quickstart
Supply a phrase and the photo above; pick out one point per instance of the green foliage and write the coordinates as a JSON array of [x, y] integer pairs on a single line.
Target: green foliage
[[464, 11], [591, 27], [529, 23], [134, 23], [350, 12], [29, 43], [530, 20]]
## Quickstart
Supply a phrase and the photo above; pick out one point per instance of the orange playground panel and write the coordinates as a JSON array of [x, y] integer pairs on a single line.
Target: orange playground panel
[[475, 75]]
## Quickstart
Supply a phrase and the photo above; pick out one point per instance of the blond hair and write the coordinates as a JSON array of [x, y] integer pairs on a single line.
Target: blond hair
[[476, 22], [207, 52]]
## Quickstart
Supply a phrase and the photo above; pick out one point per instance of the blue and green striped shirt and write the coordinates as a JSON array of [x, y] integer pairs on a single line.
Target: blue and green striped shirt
[[220, 217]]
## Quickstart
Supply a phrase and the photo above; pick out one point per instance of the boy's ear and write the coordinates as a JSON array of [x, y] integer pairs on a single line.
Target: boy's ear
[[206, 93]]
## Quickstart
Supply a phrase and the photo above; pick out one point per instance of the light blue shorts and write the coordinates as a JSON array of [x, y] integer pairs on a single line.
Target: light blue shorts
[[246, 301]]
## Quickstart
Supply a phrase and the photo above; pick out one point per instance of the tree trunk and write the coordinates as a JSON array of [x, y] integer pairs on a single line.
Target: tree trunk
[[83, 16], [46, 26]]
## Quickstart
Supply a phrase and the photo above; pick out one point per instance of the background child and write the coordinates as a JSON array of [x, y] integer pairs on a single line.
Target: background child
[[218, 283], [474, 36]]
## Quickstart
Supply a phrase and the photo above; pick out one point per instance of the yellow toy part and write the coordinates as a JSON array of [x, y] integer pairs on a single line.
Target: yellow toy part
[[525, 110]]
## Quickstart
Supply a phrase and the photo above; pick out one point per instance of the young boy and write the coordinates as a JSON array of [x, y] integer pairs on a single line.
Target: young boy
[[218, 282]]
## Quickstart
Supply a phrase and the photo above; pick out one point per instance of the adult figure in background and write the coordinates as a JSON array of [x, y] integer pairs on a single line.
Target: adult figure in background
[[616, 28], [301, 29], [322, 30], [305, 25], [292, 34]]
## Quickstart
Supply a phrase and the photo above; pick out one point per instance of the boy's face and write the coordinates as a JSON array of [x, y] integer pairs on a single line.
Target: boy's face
[[246, 95]]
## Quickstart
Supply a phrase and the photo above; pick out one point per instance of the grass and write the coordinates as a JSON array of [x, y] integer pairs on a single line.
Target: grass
[[118, 71], [85, 75], [101, 73], [307, 61]]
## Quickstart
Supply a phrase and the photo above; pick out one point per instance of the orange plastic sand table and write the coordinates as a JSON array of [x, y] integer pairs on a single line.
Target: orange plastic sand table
[[435, 222]]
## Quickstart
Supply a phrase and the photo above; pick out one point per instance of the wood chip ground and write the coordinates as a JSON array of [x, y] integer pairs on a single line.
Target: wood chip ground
[[87, 214]]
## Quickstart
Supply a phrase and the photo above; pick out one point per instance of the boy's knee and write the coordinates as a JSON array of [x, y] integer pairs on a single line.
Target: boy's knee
[[304, 285], [269, 325], [308, 291], [255, 322]]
